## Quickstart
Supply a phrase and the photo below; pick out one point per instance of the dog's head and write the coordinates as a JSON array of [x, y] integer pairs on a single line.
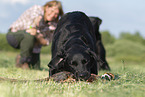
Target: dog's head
[[79, 61]]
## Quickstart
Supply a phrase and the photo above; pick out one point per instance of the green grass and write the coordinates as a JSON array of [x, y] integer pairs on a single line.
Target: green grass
[[130, 84]]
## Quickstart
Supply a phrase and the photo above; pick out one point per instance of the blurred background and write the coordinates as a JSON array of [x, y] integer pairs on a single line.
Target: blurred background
[[117, 15], [122, 29]]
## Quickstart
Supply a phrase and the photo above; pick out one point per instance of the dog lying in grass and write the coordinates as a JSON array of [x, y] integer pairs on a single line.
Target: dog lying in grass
[[74, 47]]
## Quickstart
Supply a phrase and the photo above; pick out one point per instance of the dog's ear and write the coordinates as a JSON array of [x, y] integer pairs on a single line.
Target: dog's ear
[[95, 63], [91, 53], [56, 62], [99, 21], [95, 21]]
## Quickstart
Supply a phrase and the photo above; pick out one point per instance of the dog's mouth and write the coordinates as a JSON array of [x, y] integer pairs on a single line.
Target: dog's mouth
[[78, 76]]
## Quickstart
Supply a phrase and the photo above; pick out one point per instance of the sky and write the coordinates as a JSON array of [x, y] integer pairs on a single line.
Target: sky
[[117, 15]]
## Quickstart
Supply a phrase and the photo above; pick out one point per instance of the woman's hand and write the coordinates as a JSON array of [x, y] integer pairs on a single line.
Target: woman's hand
[[41, 39], [32, 31]]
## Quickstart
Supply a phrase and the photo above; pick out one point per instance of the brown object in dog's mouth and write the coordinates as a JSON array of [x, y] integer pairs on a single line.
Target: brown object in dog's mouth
[[65, 76]]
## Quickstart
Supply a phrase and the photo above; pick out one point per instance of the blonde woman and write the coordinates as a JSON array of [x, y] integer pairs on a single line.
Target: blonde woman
[[33, 29]]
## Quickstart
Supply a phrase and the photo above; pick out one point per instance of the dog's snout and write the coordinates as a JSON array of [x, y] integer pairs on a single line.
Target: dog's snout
[[82, 75]]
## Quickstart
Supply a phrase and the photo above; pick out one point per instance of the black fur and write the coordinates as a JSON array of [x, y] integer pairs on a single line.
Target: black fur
[[74, 46], [101, 53]]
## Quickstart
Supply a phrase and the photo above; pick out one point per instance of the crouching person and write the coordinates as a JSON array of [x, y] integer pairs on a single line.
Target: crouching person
[[34, 29]]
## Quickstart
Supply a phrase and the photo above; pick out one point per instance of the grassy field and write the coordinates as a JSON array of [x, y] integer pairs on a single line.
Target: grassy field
[[130, 84]]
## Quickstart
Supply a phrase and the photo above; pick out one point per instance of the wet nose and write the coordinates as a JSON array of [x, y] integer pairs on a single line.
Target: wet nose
[[83, 75]]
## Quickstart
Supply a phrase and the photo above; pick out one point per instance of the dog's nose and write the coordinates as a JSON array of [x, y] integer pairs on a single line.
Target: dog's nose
[[83, 75]]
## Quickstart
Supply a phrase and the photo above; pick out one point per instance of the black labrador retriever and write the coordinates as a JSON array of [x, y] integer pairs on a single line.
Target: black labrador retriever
[[74, 46], [101, 53]]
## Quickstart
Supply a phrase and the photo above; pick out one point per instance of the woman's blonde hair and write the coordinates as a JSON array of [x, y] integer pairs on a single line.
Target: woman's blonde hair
[[55, 3]]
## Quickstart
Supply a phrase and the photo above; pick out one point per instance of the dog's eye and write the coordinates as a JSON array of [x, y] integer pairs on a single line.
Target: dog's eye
[[74, 63], [84, 61]]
